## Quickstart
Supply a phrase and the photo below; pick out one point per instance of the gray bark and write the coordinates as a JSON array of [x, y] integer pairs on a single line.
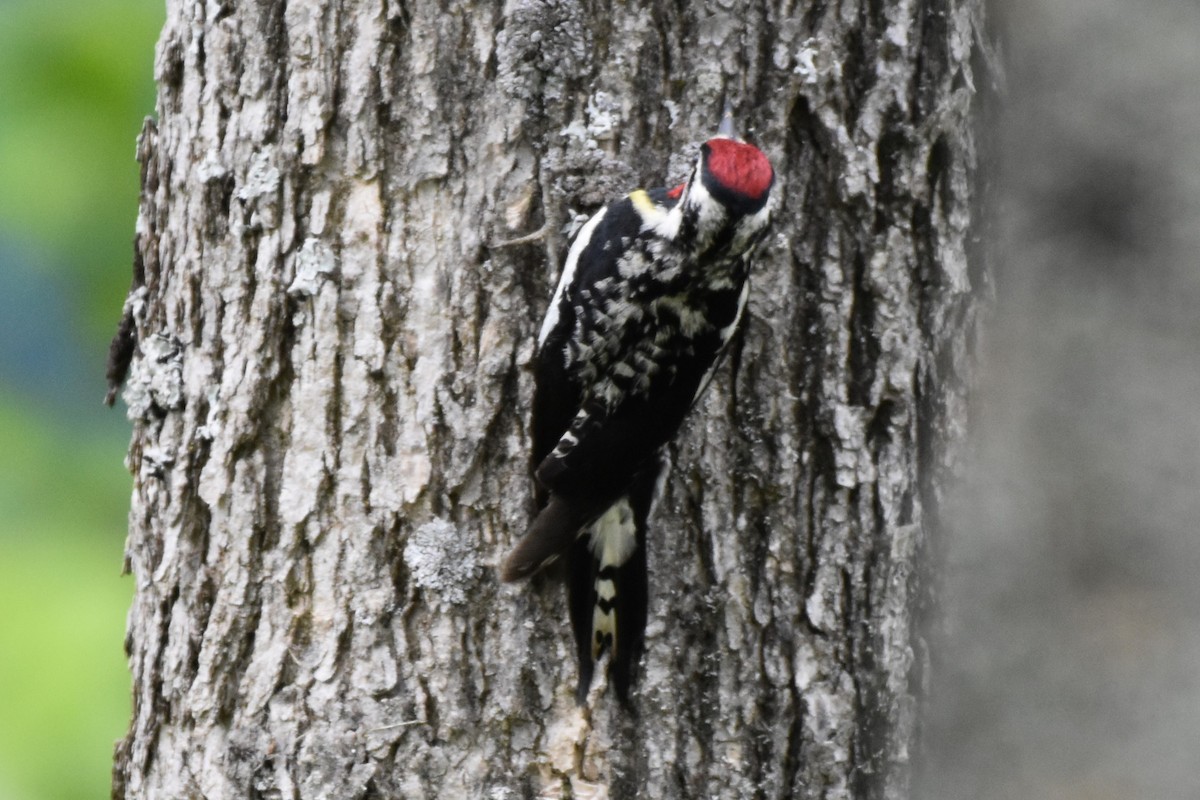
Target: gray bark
[[329, 397]]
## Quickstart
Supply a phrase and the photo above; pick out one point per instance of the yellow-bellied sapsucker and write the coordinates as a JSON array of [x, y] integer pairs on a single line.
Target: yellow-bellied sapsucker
[[652, 292]]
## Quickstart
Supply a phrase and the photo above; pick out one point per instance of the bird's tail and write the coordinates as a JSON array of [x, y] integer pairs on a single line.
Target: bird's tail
[[608, 589], [608, 593], [606, 583]]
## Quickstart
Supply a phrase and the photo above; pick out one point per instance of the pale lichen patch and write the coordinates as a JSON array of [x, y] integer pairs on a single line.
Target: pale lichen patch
[[443, 561], [156, 378], [314, 263]]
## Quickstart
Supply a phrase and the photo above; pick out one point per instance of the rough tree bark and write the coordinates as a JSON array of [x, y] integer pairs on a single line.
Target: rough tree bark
[[330, 394]]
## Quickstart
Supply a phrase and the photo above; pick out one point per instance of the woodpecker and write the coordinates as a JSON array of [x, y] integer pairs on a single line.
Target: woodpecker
[[652, 292]]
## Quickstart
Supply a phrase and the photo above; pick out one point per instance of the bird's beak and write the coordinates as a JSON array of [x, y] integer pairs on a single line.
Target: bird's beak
[[726, 129]]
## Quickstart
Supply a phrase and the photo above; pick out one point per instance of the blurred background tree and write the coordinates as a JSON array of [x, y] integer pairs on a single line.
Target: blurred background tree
[[76, 78], [1072, 601]]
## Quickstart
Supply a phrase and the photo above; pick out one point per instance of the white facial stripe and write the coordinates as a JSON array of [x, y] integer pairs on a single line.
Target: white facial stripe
[[751, 225], [668, 226], [711, 216]]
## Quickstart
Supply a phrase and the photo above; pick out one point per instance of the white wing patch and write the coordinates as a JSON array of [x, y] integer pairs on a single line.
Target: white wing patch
[[568, 274]]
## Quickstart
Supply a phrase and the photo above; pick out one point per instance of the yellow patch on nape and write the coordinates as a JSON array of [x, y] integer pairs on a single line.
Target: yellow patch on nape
[[645, 207]]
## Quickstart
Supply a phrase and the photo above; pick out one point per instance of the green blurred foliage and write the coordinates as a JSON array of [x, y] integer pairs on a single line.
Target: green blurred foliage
[[64, 686], [76, 79]]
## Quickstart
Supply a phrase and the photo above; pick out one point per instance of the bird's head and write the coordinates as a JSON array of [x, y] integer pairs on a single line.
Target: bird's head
[[734, 172], [725, 198]]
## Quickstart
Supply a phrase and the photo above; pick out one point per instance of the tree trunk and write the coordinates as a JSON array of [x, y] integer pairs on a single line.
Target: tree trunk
[[330, 394]]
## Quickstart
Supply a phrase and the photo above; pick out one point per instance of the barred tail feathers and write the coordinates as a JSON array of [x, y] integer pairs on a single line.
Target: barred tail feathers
[[608, 597]]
